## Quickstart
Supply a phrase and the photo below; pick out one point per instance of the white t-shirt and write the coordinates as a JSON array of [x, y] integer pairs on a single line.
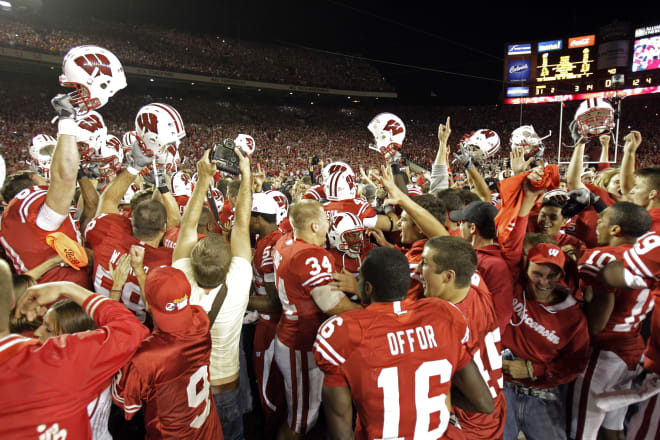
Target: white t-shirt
[[226, 331]]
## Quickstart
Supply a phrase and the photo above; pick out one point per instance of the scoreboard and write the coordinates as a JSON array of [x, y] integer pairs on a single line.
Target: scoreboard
[[581, 67]]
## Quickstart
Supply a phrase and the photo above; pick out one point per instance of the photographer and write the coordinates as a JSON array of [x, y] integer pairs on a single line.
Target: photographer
[[220, 277]]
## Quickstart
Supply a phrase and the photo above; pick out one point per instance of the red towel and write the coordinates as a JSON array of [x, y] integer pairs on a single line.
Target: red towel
[[511, 191]]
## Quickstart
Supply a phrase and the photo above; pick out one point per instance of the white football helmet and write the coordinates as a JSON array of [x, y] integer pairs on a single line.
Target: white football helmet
[[340, 186], [41, 151], [347, 234], [181, 184], [594, 117], [283, 204], [91, 134], [95, 73], [159, 129], [246, 143], [389, 132], [335, 168], [526, 137], [481, 144], [109, 157]]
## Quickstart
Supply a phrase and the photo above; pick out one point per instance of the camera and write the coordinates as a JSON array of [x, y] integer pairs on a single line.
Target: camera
[[225, 157]]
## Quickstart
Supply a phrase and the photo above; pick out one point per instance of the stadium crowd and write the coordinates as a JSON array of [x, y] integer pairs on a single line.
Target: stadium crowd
[[149, 296], [167, 49]]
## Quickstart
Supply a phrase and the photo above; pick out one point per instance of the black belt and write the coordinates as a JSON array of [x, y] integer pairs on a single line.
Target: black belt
[[541, 393]]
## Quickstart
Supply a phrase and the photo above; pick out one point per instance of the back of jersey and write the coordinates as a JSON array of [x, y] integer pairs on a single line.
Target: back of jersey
[[398, 359], [170, 375]]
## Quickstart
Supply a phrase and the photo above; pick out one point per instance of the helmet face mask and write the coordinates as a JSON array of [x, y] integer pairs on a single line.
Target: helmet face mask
[[594, 117], [96, 75], [109, 157], [347, 234]]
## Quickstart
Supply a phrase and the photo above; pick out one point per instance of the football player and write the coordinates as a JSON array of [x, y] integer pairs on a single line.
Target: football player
[[303, 276], [448, 268], [263, 224], [388, 360], [614, 317]]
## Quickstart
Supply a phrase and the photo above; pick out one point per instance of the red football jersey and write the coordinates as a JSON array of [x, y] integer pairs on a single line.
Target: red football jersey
[[492, 266], [172, 235], [263, 270], [643, 262], [46, 387], [299, 268], [414, 256], [359, 207], [110, 236], [485, 347], [25, 243], [622, 331], [169, 374], [555, 338], [182, 201], [315, 192], [398, 359]]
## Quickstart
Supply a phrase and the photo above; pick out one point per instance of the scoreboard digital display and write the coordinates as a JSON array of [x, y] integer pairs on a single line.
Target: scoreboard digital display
[[581, 67]]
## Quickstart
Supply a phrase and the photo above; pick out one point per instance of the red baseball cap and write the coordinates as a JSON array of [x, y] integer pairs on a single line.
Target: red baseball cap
[[546, 253], [167, 292]]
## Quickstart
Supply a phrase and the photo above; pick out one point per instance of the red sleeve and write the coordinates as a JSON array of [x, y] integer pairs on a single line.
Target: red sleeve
[[366, 211], [32, 199], [107, 225], [512, 247], [316, 268], [111, 346], [129, 389], [334, 344]]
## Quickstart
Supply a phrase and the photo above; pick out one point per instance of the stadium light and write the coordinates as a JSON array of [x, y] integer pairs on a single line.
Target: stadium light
[[5, 6]]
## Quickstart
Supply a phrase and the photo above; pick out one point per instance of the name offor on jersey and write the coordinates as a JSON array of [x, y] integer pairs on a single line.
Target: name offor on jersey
[[422, 336]]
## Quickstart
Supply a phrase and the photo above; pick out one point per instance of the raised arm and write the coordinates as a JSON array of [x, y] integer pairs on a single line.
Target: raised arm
[[633, 140], [188, 231], [64, 165], [574, 171], [240, 233], [440, 168], [430, 225]]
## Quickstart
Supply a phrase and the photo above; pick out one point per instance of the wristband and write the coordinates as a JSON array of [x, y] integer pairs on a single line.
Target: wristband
[[66, 126], [599, 205], [470, 165], [163, 189], [132, 170], [391, 223], [81, 173]]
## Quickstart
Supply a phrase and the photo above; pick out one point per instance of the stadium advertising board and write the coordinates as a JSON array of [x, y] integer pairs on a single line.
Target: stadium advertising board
[[581, 65]]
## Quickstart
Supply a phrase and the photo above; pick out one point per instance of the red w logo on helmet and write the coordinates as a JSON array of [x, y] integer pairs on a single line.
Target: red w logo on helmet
[[393, 126], [185, 178], [148, 122], [91, 123], [488, 133], [94, 64]]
